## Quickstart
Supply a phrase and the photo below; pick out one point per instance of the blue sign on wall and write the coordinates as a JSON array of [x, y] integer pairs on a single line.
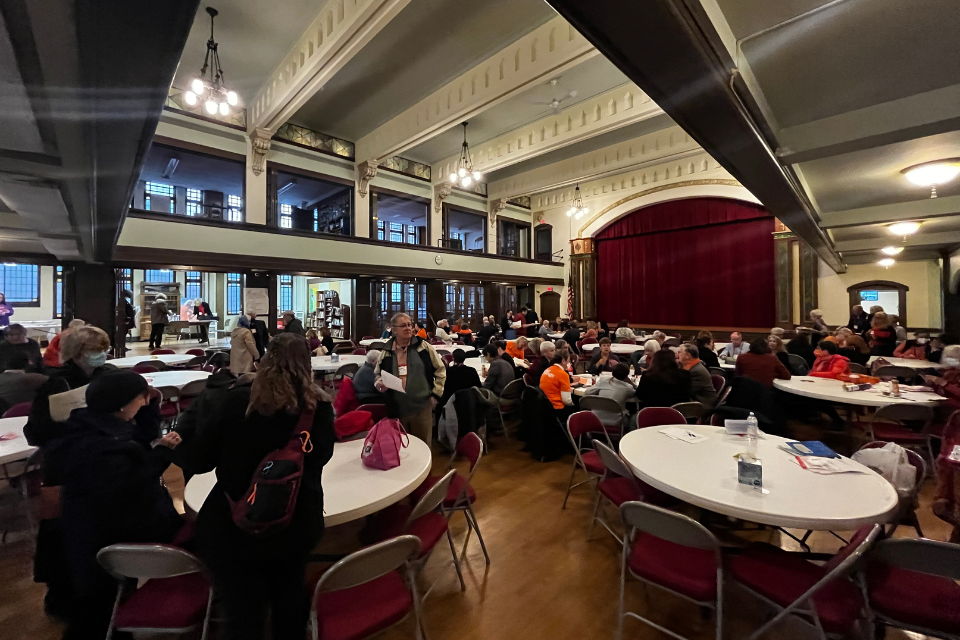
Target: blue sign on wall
[[869, 296]]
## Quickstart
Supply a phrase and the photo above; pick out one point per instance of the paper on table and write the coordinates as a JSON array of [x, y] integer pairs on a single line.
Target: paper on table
[[826, 466], [391, 381], [61, 404], [9, 436], [679, 433]]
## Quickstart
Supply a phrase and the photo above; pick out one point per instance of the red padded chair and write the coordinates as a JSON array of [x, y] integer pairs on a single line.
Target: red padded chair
[[890, 424], [144, 368], [618, 485], [628, 341], [906, 510], [461, 495], [672, 552], [912, 585], [426, 520], [368, 338], [177, 597], [366, 592], [162, 352], [656, 416], [377, 411], [360, 351], [819, 595], [718, 382], [20, 410], [580, 424], [196, 352]]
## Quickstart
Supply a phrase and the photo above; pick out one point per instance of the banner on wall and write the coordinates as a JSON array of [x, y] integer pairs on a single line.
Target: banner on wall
[[257, 301]]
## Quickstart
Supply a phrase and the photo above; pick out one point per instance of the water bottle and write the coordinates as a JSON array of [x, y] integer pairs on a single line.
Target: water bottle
[[753, 430]]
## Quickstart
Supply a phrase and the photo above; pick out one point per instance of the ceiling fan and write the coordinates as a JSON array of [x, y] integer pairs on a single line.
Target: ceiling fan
[[557, 102]]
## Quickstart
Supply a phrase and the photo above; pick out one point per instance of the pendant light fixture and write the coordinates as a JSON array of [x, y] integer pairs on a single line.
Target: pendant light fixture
[[577, 210], [465, 175], [209, 86]]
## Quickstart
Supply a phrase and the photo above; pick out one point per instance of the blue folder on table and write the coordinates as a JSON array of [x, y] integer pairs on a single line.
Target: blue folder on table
[[812, 448]]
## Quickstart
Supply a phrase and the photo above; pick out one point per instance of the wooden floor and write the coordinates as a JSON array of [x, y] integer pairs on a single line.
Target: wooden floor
[[546, 580]]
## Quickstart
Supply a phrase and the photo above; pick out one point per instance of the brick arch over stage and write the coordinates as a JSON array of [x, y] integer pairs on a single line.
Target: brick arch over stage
[[693, 262]]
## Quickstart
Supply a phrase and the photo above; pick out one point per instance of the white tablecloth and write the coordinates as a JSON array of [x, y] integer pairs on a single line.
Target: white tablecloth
[[350, 490], [705, 474], [907, 362], [832, 391], [178, 379], [616, 347], [17, 449], [323, 363], [168, 359]]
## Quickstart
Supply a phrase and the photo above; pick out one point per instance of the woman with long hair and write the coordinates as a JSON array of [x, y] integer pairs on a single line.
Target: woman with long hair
[[254, 573], [664, 383], [708, 356], [883, 337]]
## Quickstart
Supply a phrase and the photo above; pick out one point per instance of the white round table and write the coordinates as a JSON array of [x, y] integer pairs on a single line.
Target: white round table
[[168, 358], [369, 341], [832, 391], [350, 490], [323, 363], [15, 449], [178, 379], [555, 336], [445, 348], [907, 362], [616, 347], [705, 474]]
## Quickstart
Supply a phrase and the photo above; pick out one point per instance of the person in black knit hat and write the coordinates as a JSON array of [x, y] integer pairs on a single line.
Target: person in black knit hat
[[109, 466]]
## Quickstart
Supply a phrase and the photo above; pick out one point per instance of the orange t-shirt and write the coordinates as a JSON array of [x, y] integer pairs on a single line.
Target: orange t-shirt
[[422, 334], [513, 350], [553, 382]]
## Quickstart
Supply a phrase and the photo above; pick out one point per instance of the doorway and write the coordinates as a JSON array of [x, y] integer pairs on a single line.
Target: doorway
[[549, 305]]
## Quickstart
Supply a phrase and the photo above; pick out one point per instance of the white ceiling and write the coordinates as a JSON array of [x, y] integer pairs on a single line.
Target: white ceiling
[[589, 79], [428, 44], [253, 36], [848, 60]]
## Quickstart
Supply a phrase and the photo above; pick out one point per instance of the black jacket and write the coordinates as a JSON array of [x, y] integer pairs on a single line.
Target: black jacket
[[111, 487], [859, 324], [664, 389], [459, 377], [572, 336], [260, 335], [485, 334], [803, 350], [234, 445], [40, 429], [708, 357], [327, 342], [531, 317], [295, 326], [30, 348]]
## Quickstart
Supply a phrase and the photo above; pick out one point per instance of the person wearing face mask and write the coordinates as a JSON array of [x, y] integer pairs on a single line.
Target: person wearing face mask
[[109, 461], [83, 356], [916, 349], [951, 356]]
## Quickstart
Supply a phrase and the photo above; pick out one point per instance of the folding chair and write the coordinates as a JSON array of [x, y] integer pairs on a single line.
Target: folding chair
[[908, 504], [673, 552], [169, 407], [162, 352], [177, 596], [461, 495], [608, 407], [690, 410], [509, 404], [378, 346], [196, 352], [858, 369], [368, 591], [821, 596], [190, 391], [377, 411], [889, 424], [580, 424], [912, 585], [903, 374], [19, 410], [195, 363], [618, 485], [718, 382], [656, 416], [798, 366], [427, 520]]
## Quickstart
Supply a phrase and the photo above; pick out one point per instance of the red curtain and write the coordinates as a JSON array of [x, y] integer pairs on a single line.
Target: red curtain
[[697, 262]]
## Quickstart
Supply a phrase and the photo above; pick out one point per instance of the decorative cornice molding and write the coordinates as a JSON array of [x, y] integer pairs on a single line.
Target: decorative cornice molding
[[440, 193], [260, 141], [366, 171], [646, 192]]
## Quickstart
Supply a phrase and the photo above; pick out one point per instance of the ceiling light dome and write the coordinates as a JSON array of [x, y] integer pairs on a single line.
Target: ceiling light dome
[[932, 174], [904, 228], [887, 263], [891, 251]]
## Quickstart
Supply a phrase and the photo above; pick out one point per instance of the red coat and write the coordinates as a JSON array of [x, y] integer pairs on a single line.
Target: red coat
[[830, 366]]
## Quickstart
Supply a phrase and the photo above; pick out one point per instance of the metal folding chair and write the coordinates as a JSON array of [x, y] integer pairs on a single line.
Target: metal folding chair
[[890, 424], [608, 407], [580, 424], [667, 550], [174, 578], [690, 410], [339, 599], [903, 374], [509, 405], [618, 485]]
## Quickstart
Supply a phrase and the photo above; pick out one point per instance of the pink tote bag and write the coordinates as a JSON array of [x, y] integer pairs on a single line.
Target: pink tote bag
[[381, 449]]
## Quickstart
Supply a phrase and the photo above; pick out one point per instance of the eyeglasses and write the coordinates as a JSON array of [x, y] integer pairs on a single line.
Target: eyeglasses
[[404, 326]]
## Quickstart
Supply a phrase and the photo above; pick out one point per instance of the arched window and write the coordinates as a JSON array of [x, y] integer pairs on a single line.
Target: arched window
[[892, 296]]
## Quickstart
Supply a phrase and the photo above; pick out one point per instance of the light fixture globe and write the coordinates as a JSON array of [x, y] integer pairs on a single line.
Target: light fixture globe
[[931, 174], [232, 98], [190, 98], [904, 228], [571, 211], [887, 263], [464, 174], [467, 181], [210, 82], [453, 177], [197, 86], [224, 109], [892, 251], [211, 107]]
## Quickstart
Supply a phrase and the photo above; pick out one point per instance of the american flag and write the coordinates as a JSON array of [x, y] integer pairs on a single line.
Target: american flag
[[570, 296]]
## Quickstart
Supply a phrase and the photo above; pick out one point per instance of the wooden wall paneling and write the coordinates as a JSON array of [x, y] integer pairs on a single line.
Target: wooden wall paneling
[[784, 282], [809, 281]]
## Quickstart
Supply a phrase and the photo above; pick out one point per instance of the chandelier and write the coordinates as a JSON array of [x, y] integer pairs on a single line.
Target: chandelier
[[577, 210], [465, 175], [210, 85]]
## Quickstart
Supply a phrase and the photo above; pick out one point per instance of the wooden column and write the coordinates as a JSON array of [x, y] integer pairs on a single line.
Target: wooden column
[[436, 303], [783, 241], [809, 281], [583, 277]]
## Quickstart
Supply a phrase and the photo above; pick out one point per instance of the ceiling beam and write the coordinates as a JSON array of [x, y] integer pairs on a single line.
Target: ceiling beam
[[672, 51], [942, 239], [533, 59], [607, 112], [916, 116], [338, 32], [928, 208], [670, 144]]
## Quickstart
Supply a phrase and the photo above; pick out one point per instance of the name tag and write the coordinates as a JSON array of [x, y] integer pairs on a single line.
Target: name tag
[[402, 370], [253, 330]]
